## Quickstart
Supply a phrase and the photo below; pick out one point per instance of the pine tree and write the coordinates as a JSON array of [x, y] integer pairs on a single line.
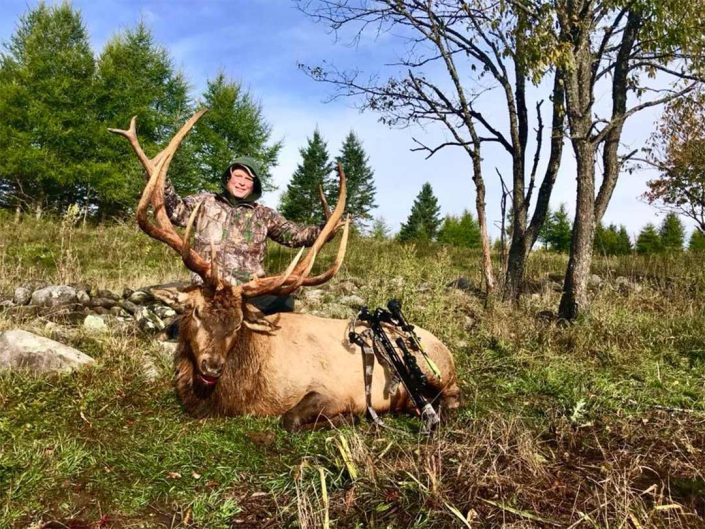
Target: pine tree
[[380, 230], [559, 231], [360, 180], [47, 128], [136, 77], [300, 202], [697, 241], [463, 231], [611, 240], [234, 126], [423, 221], [624, 243], [648, 242], [672, 233]]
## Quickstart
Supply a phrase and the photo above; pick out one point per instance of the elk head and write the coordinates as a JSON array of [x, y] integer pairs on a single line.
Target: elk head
[[216, 312]]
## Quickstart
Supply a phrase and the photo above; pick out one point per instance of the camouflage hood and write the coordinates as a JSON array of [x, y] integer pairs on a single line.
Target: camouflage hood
[[254, 168]]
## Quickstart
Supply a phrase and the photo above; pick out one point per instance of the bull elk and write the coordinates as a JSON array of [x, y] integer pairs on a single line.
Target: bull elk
[[232, 360]]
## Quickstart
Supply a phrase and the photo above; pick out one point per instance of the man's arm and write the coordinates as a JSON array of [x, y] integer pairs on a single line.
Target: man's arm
[[179, 209], [289, 233]]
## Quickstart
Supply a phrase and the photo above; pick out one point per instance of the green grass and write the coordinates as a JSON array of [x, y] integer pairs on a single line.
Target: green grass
[[597, 424]]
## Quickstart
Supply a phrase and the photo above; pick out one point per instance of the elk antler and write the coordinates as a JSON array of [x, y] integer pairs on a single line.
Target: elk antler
[[156, 169], [297, 274]]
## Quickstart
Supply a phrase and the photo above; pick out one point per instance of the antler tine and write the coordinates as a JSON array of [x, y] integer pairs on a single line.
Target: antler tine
[[268, 284], [325, 276], [329, 225], [162, 162], [154, 191], [131, 135], [324, 202], [304, 280]]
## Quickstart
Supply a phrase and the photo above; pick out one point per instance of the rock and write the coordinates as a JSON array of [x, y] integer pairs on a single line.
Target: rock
[[118, 311], [140, 297], [335, 310], [24, 350], [148, 321], [163, 312], [313, 296], [352, 301], [100, 310], [149, 369], [127, 292], [106, 303], [168, 349], [625, 285], [594, 281], [423, 287], [23, 295], [346, 287], [83, 297], [107, 294], [462, 283], [93, 323], [53, 296], [130, 307]]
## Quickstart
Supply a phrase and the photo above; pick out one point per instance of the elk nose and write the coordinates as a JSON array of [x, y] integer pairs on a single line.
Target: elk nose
[[211, 367]]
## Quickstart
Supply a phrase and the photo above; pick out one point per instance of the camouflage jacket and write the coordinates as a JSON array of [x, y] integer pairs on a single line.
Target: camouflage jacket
[[238, 233]]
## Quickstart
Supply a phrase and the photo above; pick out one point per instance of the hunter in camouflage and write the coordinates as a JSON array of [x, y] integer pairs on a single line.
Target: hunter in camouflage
[[235, 224]]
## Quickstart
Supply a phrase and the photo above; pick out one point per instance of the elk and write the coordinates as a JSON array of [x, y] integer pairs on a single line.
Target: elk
[[232, 360]]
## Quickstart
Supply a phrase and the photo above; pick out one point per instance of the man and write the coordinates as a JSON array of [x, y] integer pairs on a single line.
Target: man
[[237, 228]]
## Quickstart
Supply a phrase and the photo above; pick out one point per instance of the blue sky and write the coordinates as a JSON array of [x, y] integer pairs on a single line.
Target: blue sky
[[261, 42]]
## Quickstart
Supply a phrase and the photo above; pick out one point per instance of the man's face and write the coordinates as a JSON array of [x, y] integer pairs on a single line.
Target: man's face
[[241, 183]]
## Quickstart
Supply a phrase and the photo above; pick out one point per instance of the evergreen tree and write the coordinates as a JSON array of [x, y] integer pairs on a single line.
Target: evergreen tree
[[463, 231], [603, 242], [559, 231], [234, 126], [697, 241], [301, 200], [360, 180], [47, 128], [672, 233], [611, 240], [136, 77], [423, 221], [648, 242], [624, 243], [380, 230]]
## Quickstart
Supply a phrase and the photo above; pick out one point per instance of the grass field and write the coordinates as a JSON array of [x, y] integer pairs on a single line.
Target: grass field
[[596, 424]]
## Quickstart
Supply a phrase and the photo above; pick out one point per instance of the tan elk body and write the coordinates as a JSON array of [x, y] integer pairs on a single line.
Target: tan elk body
[[232, 360]]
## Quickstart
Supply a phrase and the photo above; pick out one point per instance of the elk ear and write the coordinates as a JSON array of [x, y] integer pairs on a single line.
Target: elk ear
[[254, 319]]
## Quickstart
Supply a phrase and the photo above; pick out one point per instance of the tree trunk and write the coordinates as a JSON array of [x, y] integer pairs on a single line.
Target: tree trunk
[[487, 271], [574, 297], [516, 267]]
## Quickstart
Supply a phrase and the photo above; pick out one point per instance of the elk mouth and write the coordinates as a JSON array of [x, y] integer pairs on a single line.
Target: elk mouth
[[207, 380]]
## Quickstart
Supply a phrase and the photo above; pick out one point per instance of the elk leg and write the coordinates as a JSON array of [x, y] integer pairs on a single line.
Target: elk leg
[[312, 409]]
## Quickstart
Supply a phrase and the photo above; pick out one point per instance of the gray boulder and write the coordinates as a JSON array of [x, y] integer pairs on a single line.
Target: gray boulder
[[24, 350], [82, 297], [53, 296], [352, 300], [23, 295], [94, 324]]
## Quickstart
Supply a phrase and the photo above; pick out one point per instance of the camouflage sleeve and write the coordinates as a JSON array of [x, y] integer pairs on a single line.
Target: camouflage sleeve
[[289, 233], [179, 209]]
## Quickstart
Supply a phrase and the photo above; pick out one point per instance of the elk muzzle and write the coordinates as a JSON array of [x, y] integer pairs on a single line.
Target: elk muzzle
[[209, 369]]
